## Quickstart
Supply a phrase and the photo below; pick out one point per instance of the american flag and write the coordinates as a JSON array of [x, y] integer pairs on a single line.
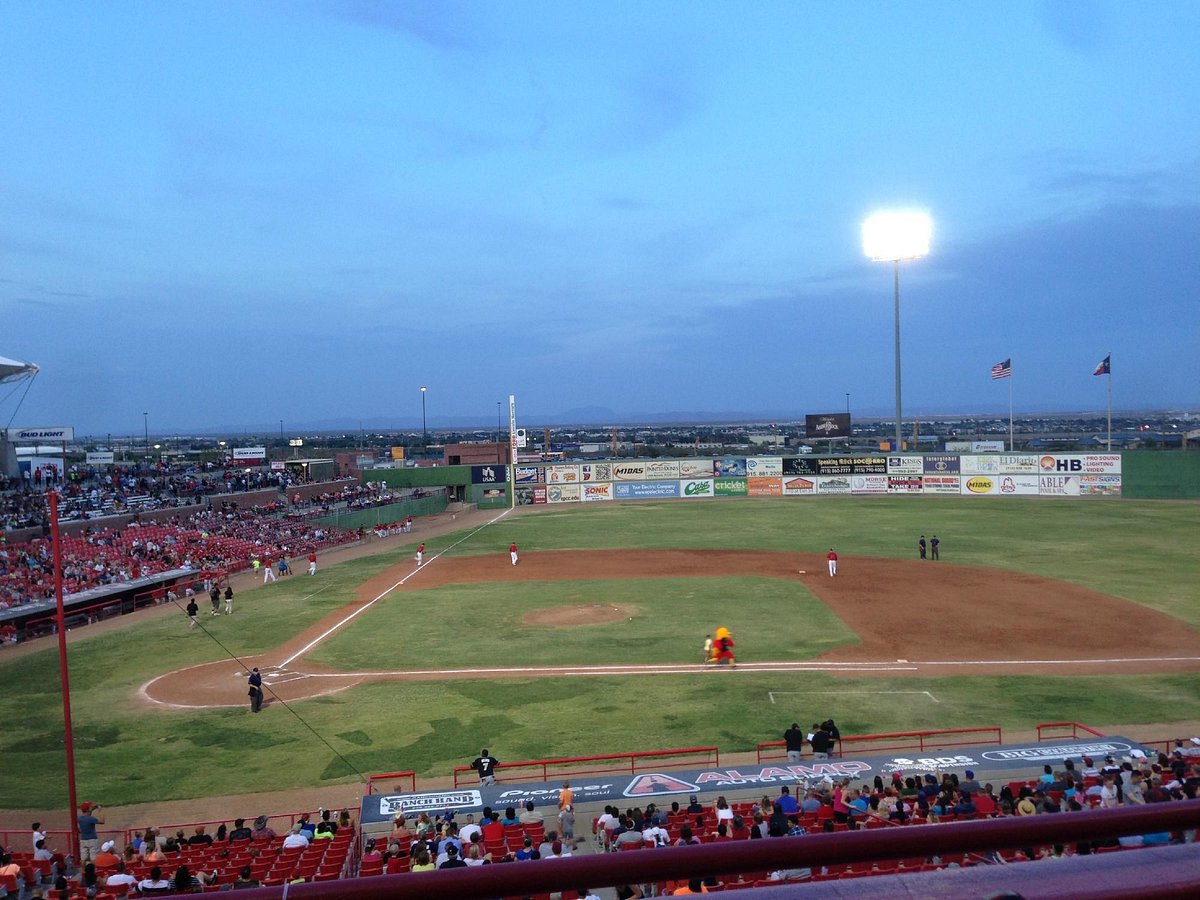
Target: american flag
[[1105, 367], [1003, 369]]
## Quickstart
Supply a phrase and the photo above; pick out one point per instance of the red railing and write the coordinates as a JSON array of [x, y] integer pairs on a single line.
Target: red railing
[[572, 766], [406, 781], [908, 740], [1059, 731], [1158, 877]]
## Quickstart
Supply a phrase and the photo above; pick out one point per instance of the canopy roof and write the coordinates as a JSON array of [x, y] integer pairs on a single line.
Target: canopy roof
[[15, 370]]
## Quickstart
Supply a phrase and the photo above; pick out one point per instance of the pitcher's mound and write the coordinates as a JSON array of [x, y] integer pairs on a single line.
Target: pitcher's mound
[[570, 616]]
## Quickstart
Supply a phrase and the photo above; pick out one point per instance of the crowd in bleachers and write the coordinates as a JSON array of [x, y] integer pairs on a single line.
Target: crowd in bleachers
[[206, 540], [86, 492], [921, 800], [311, 847]]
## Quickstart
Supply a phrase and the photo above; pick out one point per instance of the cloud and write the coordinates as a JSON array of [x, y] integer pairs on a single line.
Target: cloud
[[443, 24]]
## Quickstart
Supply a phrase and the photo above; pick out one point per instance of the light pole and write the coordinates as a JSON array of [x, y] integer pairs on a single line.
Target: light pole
[[424, 433], [498, 403], [891, 237], [847, 403], [146, 426]]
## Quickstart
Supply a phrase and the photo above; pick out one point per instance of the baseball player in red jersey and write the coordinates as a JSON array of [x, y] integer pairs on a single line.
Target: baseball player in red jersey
[[420, 553], [512, 552], [832, 557]]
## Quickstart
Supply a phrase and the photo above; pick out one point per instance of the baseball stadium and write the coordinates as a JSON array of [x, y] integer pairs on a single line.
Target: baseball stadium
[[1048, 647]]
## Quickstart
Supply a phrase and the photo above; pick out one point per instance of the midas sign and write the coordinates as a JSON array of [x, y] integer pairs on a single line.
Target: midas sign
[[979, 485]]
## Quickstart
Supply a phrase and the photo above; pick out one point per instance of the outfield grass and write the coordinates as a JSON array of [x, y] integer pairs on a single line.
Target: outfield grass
[[125, 752], [667, 622]]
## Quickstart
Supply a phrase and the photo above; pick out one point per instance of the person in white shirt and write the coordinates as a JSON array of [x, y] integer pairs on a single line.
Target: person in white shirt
[[656, 835], [120, 879], [295, 839]]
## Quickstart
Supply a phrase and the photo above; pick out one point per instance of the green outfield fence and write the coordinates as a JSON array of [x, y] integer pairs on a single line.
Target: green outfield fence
[[383, 515], [1161, 475]]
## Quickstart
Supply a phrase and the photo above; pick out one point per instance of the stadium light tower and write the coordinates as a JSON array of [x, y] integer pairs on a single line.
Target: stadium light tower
[[891, 237]]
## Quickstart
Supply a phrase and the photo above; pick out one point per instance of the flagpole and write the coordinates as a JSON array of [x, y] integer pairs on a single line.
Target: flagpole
[[63, 671], [1109, 373], [1010, 416]]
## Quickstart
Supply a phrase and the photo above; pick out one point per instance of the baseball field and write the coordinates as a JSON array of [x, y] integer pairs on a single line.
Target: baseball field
[[1038, 610]]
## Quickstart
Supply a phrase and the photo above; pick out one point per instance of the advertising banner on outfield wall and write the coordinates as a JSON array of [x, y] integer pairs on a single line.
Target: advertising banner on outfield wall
[[530, 475], [629, 471], [905, 465], [868, 484], [695, 468], [979, 465], [562, 474], [524, 495], [1100, 484], [974, 446], [759, 466], [249, 452], [596, 492], [852, 465], [495, 474], [940, 484], [1058, 485], [732, 468], [600, 471], [100, 458], [799, 465], [643, 490], [1018, 464], [662, 468], [827, 425], [1000, 485], [833, 484], [904, 484], [730, 487], [764, 487], [539, 494], [941, 464], [798, 486], [1081, 463], [562, 493], [697, 487]]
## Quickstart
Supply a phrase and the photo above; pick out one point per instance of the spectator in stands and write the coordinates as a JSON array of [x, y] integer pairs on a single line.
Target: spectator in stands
[[107, 858], [786, 802], [401, 833], [120, 881], [686, 838], [262, 831], [201, 838], [154, 883], [8, 868], [371, 853], [89, 818], [452, 860], [526, 852], [240, 832], [423, 863], [296, 838], [694, 808], [529, 816], [245, 880]]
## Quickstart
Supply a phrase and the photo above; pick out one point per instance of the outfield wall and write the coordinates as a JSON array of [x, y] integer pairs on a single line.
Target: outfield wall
[[1145, 475]]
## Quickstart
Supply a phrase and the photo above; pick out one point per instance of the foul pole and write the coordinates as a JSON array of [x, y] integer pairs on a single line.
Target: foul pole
[[60, 620], [512, 451]]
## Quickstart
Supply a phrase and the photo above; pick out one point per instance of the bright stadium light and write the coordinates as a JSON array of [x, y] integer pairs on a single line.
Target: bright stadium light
[[891, 237]]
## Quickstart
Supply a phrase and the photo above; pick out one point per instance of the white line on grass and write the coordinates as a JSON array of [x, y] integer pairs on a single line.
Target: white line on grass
[[1056, 662], [772, 694], [317, 640]]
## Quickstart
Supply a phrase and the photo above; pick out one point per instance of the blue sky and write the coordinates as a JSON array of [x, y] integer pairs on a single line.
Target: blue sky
[[226, 214]]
